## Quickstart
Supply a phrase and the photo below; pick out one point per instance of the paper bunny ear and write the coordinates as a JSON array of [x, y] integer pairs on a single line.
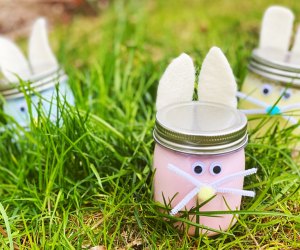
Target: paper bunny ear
[[276, 28], [216, 80], [12, 61], [41, 57], [296, 46], [177, 83]]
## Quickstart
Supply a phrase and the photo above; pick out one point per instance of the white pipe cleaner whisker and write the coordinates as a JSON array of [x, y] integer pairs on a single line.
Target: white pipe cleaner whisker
[[251, 99], [253, 111], [234, 176], [191, 194], [184, 201], [199, 185], [290, 119], [236, 191], [291, 107], [185, 175], [267, 109]]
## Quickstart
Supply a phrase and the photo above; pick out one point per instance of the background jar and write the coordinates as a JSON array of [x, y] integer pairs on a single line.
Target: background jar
[[42, 90], [272, 87], [197, 135]]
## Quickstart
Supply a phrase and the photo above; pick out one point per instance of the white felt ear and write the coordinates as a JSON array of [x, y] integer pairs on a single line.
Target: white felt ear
[[276, 28], [216, 81], [177, 83], [12, 61], [296, 46], [41, 57]]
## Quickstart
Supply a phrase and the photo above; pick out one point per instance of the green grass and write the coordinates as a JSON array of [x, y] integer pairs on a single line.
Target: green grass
[[88, 182]]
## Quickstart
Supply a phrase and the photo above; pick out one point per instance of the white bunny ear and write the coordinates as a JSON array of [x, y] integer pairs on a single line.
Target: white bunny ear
[[177, 83], [296, 46], [41, 57], [216, 81], [276, 28], [294, 56], [12, 61]]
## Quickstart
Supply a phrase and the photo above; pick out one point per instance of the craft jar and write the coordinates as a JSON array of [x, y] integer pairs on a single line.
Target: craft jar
[[272, 87], [199, 158], [42, 93]]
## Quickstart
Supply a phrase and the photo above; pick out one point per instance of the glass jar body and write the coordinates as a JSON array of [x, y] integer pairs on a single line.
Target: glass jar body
[[270, 93], [171, 188], [45, 99]]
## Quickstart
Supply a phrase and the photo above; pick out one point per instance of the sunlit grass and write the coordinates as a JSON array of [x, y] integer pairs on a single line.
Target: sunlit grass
[[89, 181]]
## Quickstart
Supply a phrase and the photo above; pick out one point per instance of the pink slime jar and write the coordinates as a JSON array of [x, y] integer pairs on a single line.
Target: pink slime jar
[[199, 157]]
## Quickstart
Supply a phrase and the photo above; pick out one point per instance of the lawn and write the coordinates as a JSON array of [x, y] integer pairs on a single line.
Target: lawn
[[89, 182]]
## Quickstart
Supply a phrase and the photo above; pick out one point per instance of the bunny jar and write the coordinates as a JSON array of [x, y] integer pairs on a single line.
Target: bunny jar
[[199, 153], [43, 73], [272, 84]]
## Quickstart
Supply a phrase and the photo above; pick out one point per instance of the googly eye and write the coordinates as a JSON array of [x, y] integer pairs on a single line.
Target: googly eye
[[215, 168], [266, 89], [286, 94], [198, 168]]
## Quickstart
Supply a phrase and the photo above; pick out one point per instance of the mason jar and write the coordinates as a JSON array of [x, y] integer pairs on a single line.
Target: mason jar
[[272, 88], [43, 97], [199, 163]]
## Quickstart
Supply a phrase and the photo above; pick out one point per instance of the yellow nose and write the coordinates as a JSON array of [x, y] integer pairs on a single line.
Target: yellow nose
[[206, 193]]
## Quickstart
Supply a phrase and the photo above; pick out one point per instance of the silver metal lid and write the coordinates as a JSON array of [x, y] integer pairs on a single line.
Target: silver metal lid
[[201, 128], [276, 65], [41, 83]]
